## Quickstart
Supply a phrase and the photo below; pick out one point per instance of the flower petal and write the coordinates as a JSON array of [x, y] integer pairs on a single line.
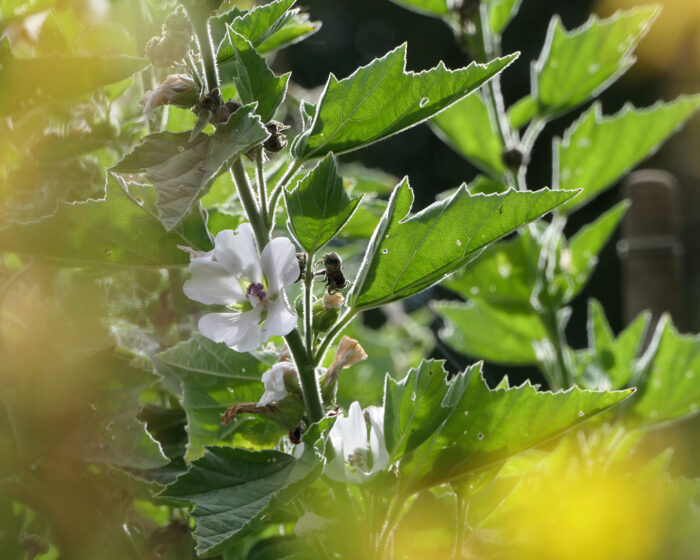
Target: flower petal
[[354, 432], [237, 251], [280, 319], [212, 283], [279, 264], [238, 331]]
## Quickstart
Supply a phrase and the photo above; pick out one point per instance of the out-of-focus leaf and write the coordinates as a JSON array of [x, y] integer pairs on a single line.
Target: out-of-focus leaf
[[481, 184], [364, 220], [500, 12], [486, 332], [296, 29], [671, 389], [576, 65], [213, 377], [408, 254], [254, 80], [234, 490], [382, 99], [53, 78], [521, 112], [412, 408], [485, 426], [114, 230], [611, 362], [319, 206], [470, 130], [596, 150], [436, 8], [182, 170]]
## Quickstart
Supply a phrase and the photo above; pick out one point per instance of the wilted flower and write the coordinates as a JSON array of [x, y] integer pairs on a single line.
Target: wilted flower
[[235, 274], [360, 449], [273, 379], [177, 89]]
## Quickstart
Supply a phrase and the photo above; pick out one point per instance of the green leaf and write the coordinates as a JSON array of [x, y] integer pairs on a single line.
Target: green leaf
[[254, 80], [481, 184], [469, 129], [182, 170], [382, 99], [53, 78], [576, 65], [234, 490], [319, 206], [485, 426], [500, 12], [586, 244], [297, 29], [671, 388], [213, 377], [412, 408], [114, 230], [408, 254], [436, 8], [611, 362], [491, 333], [504, 275], [116, 436], [596, 150], [522, 111]]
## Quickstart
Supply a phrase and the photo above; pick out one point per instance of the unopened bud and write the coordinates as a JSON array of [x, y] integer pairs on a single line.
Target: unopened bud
[[333, 300], [177, 89], [323, 319]]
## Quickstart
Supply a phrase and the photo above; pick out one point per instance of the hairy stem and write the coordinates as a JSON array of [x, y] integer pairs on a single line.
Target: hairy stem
[[200, 24], [277, 191], [308, 293], [262, 189], [307, 376]]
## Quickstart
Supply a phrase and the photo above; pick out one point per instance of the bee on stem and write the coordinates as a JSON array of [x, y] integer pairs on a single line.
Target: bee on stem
[[333, 273]]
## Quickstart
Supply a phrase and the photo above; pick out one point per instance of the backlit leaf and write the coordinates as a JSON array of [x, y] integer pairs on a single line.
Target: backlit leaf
[[182, 170], [410, 253], [596, 150], [382, 99], [319, 206]]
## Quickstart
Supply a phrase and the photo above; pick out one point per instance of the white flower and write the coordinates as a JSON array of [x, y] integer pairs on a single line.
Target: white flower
[[359, 456], [236, 275], [273, 379], [177, 89]]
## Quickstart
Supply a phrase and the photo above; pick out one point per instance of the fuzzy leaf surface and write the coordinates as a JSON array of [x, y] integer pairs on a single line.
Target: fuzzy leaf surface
[[114, 230], [182, 170], [234, 489], [254, 80], [213, 377], [382, 99], [410, 253], [597, 151], [576, 65], [485, 425], [319, 206]]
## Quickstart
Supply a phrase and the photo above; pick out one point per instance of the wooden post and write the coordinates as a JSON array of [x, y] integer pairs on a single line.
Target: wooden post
[[651, 250]]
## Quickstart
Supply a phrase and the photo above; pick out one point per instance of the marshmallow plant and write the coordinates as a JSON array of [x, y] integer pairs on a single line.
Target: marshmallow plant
[[201, 383]]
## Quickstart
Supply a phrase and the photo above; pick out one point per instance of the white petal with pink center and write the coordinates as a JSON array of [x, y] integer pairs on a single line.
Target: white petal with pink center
[[234, 274]]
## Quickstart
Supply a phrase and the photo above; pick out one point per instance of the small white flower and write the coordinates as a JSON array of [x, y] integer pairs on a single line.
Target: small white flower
[[360, 449], [273, 379], [237, 275], [177, 89]]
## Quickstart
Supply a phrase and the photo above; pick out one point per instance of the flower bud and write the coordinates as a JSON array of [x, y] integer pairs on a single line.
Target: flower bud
[[177, 89], [323, 319]]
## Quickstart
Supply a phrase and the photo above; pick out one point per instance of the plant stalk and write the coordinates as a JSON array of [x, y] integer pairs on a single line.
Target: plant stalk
[[202, 33], [308, 293], [262, 189]]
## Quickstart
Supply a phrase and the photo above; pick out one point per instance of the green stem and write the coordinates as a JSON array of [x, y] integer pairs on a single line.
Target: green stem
[[202, 32], [262, 189], [277, 191], [462, 505], [307, 376], [308, 292], [245, 193], [302, 358], [339, 326], [561, 378]]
